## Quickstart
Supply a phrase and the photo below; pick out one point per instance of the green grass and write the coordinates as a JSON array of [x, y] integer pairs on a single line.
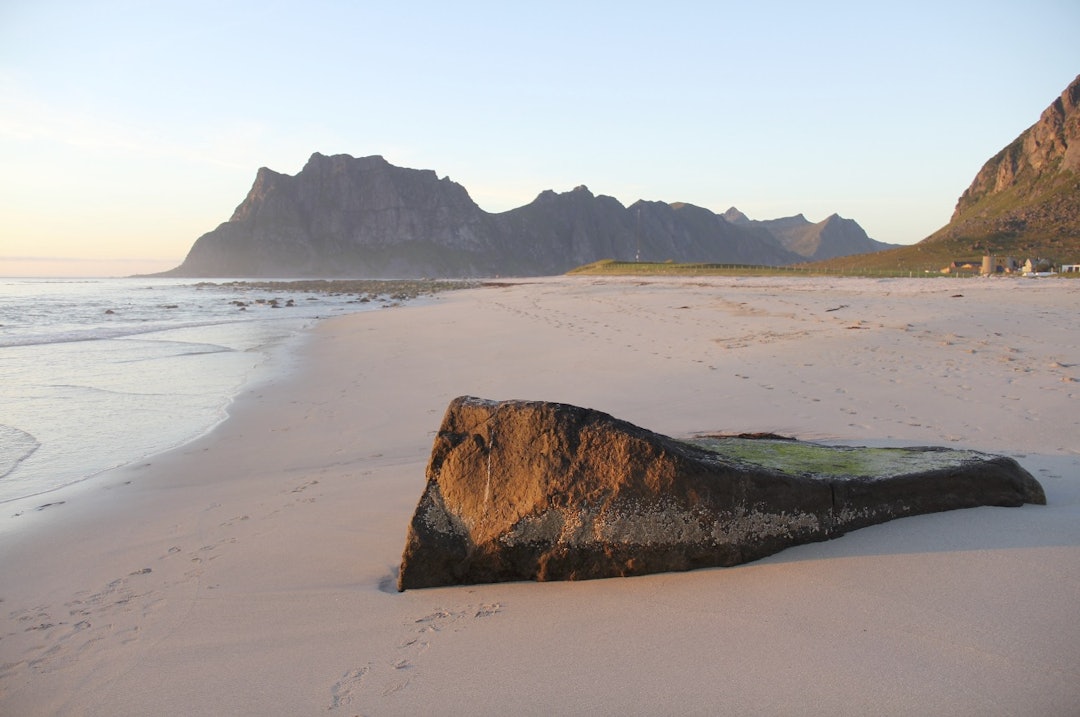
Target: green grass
[[610, 267], [798, 458]]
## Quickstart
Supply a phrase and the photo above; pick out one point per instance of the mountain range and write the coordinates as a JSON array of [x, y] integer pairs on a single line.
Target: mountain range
[[342, 216]]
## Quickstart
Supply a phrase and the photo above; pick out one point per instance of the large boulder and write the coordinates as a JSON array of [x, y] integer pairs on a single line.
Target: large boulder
[[522, 490]]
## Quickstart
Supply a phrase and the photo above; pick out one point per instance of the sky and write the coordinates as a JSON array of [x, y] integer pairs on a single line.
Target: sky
[[130, 128]]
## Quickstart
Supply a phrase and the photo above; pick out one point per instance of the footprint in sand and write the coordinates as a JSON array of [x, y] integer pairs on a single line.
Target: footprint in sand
[[345, 690], [304, 486], [390, 676], [48, 639]]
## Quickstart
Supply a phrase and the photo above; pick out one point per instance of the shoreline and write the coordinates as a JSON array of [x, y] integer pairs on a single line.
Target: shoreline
[[251, 570], [194, 405]]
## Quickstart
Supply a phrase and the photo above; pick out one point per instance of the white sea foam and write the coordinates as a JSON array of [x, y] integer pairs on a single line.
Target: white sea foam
[[96, 374]]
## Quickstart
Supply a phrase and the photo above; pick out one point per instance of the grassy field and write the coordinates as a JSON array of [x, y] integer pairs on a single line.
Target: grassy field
[[609, 267]]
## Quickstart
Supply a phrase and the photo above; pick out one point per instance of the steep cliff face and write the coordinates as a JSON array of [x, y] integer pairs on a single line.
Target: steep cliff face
[[1050, 146], [1026, 198], [341, 216], [369, 202]]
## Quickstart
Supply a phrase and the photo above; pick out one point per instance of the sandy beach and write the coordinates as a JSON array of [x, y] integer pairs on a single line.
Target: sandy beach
[[252, 572]]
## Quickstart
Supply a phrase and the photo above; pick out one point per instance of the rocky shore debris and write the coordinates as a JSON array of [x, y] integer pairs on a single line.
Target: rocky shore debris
[[529, 490], [392, 292]]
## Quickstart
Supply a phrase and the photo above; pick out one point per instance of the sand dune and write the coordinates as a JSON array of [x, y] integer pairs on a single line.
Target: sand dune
[[252, 571]]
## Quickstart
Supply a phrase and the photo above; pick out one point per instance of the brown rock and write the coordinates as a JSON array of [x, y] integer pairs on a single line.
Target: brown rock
[[521, 490]]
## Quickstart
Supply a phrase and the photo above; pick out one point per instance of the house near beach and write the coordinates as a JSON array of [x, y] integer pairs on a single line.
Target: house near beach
[[1038, 266], [991, 264], [956, 266], [998, 265]]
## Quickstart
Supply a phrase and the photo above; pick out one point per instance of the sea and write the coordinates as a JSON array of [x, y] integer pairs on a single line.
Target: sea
[[99, 373]]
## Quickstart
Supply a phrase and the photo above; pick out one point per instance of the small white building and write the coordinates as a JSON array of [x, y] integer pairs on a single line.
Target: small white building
[[1038, 266]]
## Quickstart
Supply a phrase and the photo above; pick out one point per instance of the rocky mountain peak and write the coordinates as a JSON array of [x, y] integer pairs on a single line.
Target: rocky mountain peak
[[1049, 147], [1025, 200], [734, 216], [831, 237]]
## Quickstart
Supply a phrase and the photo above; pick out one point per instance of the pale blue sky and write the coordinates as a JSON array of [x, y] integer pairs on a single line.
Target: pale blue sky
[[129, 128]]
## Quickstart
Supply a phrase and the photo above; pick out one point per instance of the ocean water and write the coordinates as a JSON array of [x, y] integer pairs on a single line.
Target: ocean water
[[99, 373]]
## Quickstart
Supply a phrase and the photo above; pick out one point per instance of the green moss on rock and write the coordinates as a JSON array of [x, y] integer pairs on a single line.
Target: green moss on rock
[[799, 458]]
